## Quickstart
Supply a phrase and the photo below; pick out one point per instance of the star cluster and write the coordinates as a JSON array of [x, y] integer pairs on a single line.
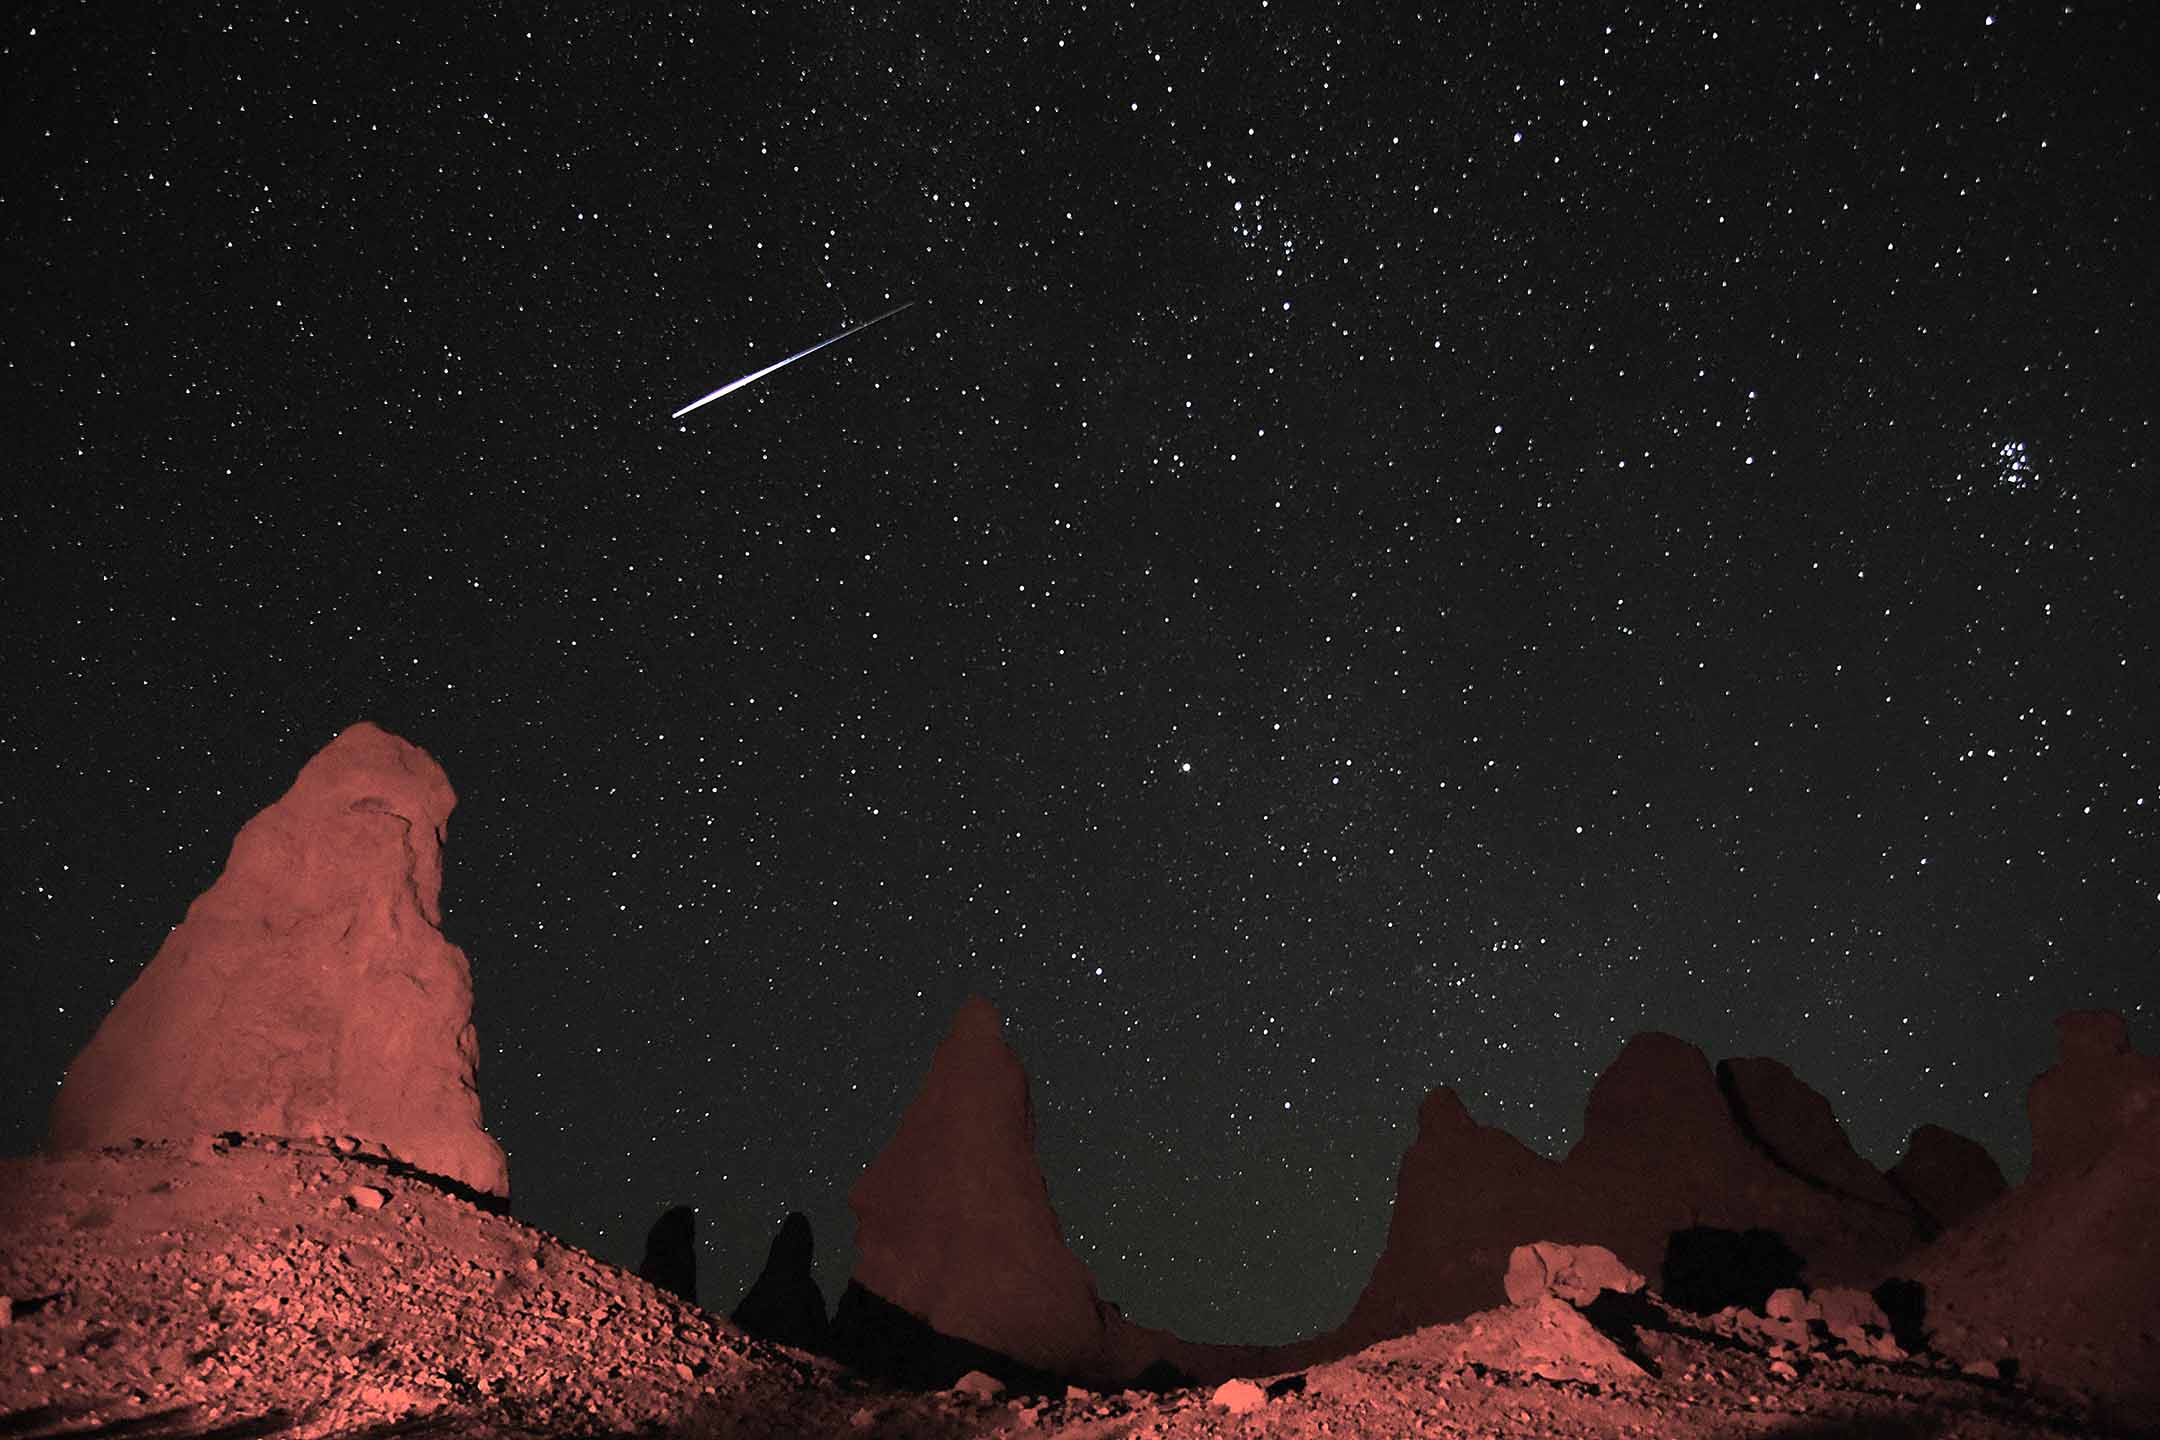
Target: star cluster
[[1393, 549]]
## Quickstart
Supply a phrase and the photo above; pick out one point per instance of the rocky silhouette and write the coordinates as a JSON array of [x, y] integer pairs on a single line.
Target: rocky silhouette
[[953, 1223], [1794, 1125], [239, 1285], [2059, 1279], [671, 1253], [1465, 1197], [309, 991], [784, 1303], [1667, 1145], [2082, 1106], [263, 1242], [1946, 1176]]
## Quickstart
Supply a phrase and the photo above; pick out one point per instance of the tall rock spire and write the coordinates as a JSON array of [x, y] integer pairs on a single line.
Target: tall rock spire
[[309, 991]]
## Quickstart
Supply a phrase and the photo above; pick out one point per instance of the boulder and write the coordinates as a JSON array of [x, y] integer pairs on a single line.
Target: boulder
[[308, 992], [1949, 1177], [1576, 1274], [671, 1253], [2095, 1093], [953, 1223], [1853, 1317], [784, 1303]]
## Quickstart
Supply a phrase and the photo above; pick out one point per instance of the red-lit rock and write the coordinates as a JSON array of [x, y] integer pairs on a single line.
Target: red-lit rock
[[308, 992], [953, 1222], [1948, 1176], [1577, 1274], [1665, 1148]]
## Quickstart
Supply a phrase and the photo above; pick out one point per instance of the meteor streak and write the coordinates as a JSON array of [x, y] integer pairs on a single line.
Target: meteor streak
[[733, 385]]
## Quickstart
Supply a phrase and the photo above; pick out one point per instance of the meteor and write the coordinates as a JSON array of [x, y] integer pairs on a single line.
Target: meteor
[[734, 385]]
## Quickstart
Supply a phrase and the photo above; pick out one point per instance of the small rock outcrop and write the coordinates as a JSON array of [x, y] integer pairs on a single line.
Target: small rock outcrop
[[953, 1223], [309, 991], [671, 1253], [1949, 1177], [784, 1303], [2094, 1093]]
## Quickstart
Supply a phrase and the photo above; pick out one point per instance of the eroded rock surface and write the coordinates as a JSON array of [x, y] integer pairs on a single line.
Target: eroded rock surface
[[1576, 1274], [309, 991], [1667, 1145]]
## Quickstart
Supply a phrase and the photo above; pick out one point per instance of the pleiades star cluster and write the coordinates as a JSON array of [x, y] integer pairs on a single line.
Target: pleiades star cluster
[[1390, 547]]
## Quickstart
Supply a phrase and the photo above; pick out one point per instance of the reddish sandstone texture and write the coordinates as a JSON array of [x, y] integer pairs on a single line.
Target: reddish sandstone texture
[[1667, 1144], [309, 991]]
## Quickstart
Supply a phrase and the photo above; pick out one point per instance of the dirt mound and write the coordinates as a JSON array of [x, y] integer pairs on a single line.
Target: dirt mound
[[261, 1287]]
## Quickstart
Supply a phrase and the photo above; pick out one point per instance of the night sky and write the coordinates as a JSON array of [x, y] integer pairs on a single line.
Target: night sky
[[1390, 549]]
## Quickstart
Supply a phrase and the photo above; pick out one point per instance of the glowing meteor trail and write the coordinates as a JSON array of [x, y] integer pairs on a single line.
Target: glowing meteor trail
[[733, 385]]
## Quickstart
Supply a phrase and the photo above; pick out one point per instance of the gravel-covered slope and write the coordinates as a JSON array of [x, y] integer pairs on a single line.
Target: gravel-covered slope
[[260, 1287]]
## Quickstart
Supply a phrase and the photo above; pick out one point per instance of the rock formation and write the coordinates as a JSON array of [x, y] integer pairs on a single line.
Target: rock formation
[[2093, 1094], [2062, 1274], [784, 1303], [1795, 1126], [1465, 1197], [953, 1223], [308, 992], [1667, 1145], [1576, 1274], [671, 1253], [1947, 1176]]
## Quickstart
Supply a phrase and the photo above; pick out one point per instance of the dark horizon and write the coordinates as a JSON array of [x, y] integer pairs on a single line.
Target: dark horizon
[[1386, 552]]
